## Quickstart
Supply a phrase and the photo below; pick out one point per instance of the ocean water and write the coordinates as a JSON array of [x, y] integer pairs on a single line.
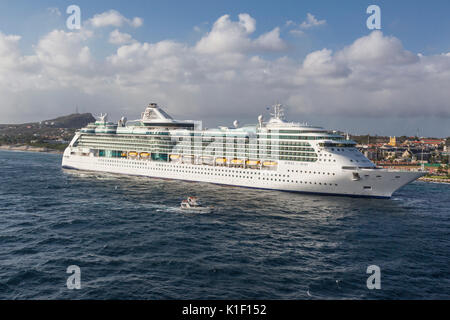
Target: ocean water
[[131, 241]]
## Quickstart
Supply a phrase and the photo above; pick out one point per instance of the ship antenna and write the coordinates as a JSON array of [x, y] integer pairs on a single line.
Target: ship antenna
[[278, 111]]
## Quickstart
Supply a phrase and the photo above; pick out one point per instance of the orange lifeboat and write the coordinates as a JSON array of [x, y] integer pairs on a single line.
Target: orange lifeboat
[[221, 160], [253, 162]]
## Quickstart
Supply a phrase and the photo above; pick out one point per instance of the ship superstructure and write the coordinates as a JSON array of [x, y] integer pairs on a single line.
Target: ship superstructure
[[276, 154]]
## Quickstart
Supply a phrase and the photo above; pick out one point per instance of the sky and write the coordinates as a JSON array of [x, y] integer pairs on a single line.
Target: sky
[[220, 61]]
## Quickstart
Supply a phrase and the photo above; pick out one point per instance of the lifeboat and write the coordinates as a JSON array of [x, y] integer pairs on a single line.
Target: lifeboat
[[221, 160], [144, 155], [237, 161], [132, 154], [269, 163], [174, 156], [253, 162], [123, 154]]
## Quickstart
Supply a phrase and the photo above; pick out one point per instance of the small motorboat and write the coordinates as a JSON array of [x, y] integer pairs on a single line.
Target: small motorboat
[[191, 204]]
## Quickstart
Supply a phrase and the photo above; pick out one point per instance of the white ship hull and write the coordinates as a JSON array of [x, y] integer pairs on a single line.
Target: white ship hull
[[294, 177]]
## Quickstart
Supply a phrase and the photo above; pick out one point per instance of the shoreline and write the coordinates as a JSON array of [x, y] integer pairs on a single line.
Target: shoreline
[[425, 179], [28, 148]]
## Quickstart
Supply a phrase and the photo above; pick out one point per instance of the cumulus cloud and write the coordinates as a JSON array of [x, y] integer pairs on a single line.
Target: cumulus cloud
[[113, 18], [234, 36], [9, 50], [224, 74], [290, 23], [322, 64], [377, 49], [64, 50], [117, 37], [311, 21], [136, 22], [374, 76], [271, 41]]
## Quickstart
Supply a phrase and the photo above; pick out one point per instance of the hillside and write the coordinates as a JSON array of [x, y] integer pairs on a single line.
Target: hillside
[[72, 121], [50, 134]]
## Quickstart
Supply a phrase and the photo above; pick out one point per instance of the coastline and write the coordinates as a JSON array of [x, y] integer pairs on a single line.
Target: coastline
[[428, 179], [28, 148]]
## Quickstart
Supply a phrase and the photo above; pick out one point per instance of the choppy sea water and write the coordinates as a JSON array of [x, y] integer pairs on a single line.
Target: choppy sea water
[[131, 240]]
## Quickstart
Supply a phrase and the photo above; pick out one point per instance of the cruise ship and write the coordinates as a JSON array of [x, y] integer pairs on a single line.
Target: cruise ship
[[275, 154]]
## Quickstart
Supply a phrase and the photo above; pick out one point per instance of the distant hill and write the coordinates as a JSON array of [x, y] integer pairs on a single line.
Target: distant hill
[[43, 133], [72, 121]]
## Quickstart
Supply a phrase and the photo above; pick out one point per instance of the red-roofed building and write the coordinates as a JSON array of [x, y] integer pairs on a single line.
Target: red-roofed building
[[433, 142]]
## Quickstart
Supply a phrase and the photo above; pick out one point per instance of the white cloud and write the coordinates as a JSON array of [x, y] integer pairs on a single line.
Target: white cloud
[[221, 75], [9, 50], [247, 22], [64, 50], [229, 36], [378, 49], [226, 36], [136, 22], [311, 21], [117, 37], [271, 41], [113, 18], [290, 23], [322, 64]]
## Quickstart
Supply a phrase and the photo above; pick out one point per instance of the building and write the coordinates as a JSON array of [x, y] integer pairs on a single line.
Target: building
[[392, 141]]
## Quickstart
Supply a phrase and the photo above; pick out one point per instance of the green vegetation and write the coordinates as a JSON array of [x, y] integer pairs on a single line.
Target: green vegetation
[[51, 146], [439, 177], [52, 134]]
